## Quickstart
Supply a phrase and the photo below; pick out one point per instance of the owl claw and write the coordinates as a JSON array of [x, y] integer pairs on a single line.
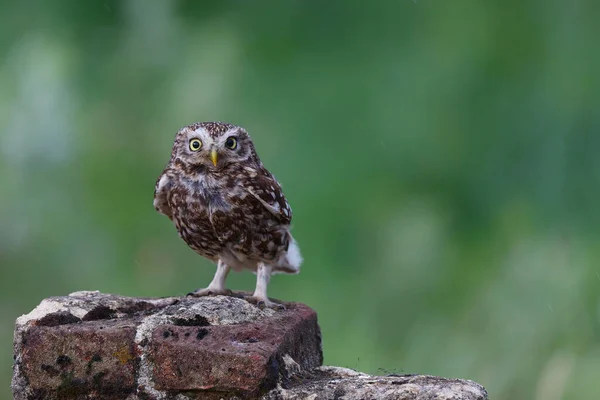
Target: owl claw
[[210, 292], [265, 303]]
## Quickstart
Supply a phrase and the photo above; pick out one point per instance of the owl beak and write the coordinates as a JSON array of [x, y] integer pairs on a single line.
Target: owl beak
[[213, 157]]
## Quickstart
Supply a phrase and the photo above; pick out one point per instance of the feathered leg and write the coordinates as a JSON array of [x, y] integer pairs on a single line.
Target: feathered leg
[[217, 285], [263, 275]]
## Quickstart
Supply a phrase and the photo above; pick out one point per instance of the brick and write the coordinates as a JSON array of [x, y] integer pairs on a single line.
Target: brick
[[94, 345], [69, 360]]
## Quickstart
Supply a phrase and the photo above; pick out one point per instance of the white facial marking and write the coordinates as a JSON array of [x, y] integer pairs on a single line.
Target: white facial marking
[[199, 133]]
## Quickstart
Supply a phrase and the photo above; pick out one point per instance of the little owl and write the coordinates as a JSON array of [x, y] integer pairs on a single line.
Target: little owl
[[227, 206]]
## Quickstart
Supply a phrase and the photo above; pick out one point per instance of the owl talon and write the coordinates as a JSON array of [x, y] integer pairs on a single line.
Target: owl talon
[[265, 303]]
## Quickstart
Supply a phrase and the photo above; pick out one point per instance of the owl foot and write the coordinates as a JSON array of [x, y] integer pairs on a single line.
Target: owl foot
[[263, 303], [210, 292]]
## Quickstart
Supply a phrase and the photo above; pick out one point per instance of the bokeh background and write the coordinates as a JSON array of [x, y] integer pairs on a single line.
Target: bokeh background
[[441, 158]]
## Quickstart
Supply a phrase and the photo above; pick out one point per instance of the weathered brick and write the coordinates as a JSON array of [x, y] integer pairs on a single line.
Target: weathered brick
[[92, 345], [242, 358], [83, 358]]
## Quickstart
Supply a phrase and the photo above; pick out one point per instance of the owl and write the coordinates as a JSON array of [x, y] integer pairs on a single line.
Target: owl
[[227, 206]]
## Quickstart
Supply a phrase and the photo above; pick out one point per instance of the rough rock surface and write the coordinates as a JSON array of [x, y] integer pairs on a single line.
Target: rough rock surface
[[90, 345], [328, 383], [93, 345]]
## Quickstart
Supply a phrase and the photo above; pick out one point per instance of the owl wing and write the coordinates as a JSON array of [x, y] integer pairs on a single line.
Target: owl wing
[[161, 190], [265, 188], [254, 217]]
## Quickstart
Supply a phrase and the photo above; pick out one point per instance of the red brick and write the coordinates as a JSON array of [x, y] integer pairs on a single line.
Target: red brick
[[67, 360], [242, 358]]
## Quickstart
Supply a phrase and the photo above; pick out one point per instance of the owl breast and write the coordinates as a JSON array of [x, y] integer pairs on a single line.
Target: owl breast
[[190, 204], [227, 218]]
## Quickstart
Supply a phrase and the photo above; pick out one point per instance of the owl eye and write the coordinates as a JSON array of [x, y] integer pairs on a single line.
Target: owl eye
[[195, 144], [231, 142]]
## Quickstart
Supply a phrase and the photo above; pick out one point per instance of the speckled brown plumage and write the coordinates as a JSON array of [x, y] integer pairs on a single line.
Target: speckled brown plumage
[[230, 208]]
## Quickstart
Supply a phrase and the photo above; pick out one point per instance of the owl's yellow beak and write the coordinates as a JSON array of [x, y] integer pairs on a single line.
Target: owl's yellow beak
[[213, 157]]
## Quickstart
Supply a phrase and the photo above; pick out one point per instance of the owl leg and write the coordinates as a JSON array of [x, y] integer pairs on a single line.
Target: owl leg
[[217, 285], [263, 275]]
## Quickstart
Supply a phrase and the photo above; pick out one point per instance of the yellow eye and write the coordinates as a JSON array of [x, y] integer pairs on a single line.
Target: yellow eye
[[195, 144], [231, 142]]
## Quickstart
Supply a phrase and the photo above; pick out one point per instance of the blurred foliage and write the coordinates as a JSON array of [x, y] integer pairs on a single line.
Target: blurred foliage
[[441, 158]]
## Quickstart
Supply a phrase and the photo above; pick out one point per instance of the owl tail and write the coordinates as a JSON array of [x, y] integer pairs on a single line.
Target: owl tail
[[291, 261]]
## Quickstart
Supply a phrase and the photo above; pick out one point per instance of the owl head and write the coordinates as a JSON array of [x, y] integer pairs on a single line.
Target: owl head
[[212, 145]]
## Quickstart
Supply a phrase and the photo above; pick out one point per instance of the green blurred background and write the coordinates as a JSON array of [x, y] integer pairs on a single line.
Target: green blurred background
[[441, 158]]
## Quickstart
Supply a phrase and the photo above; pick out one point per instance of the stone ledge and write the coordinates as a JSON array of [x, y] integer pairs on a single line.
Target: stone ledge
[[93, 345], [343, 383], [90, 345]]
